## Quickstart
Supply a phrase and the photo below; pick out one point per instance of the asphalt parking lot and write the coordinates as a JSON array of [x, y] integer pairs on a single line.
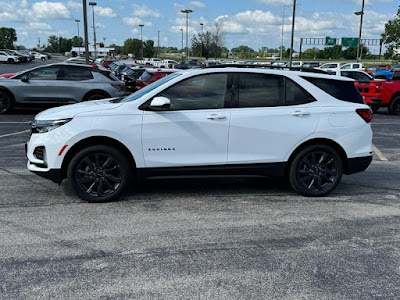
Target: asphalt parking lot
[[209, 238]]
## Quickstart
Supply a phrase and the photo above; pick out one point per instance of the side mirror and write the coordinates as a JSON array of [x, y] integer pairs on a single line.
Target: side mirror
[[160, 103], [25, 78]]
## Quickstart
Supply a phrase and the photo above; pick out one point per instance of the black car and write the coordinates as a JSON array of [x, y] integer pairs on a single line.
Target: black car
[[129, 76], [190, 64]]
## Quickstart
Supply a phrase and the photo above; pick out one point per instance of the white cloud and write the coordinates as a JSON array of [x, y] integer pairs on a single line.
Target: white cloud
[[135, 22], [276, 2], [197, 4], [50, 10], [144, 12], [104, 12], [39, 26]]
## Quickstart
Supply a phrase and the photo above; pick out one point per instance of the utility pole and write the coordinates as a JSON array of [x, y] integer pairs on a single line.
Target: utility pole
[[158, 44], [86, 31], [291, 41], [201, 40], [93, 4], [361, 14], [79, 41], [141, 38]]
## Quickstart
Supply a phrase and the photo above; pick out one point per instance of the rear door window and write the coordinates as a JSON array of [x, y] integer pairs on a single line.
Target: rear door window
[[260, 90], [342, 90]]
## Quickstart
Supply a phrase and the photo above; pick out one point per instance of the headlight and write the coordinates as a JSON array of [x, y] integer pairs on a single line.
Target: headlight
[[46, 126]]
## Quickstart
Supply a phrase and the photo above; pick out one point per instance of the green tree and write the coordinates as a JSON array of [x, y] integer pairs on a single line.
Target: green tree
[[133, 46], [243, 52], [77, 41], [391, 36], [148, 48], [311, 53], [7, 37]]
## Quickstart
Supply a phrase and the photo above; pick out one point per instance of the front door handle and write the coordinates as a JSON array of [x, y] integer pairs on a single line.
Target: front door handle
[[299, 113], [216, 117]]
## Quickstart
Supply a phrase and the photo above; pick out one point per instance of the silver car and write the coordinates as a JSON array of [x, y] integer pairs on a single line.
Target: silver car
[[58, 83]]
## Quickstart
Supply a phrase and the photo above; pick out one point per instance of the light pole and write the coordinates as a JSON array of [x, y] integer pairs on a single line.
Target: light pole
[[283, 25], [79, 41], [141, 37], [361, 14], [201, 40], [182, 41], [291, 40], [187, 12], [93, 4], [158, 42]]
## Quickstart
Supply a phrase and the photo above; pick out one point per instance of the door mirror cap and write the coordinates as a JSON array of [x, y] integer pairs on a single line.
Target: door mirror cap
[[160, 103], [25, 78]]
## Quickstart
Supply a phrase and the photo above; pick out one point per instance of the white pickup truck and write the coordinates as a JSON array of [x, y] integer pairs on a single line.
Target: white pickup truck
[[158, 63]]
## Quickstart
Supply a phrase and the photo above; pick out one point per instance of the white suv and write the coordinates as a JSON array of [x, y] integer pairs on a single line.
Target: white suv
[[230, 120]]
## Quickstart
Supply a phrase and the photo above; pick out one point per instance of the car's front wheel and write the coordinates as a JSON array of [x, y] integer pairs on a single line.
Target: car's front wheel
[[316, 171], [99, 173]]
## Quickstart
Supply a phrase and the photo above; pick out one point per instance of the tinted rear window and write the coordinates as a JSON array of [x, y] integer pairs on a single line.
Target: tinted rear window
[[342, 90]]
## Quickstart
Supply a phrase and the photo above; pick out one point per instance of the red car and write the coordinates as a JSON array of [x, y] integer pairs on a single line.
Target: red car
[[151, 75], [7, 75], [379, 94]]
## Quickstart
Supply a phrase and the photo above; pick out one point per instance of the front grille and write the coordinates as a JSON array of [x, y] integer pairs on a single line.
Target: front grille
[[38, 153]]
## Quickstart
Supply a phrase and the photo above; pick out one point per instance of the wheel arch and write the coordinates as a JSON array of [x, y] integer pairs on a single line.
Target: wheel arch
[[95, 140], [319, 141], [95, 91], [395, 95]]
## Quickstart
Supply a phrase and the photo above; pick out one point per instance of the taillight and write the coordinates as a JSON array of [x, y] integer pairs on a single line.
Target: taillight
[[118, 86], [365, 113], [378, 87]]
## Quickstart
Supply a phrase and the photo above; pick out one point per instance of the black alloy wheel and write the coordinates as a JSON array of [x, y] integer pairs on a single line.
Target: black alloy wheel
[[98, 173], [394, 106], [316, 171], [5, 102]]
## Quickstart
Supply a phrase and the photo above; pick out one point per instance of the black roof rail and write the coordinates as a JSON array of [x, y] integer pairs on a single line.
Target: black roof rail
[[246, 66]]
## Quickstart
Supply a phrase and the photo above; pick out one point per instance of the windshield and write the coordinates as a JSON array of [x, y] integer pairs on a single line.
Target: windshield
[[150, 87]]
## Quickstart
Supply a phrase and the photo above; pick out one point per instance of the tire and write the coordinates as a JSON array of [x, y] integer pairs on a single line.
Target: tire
[[99, 173], [95, 96], [316, 171], [6, 102], [43, 59], [394, 106], [10, 61], [375, 108]]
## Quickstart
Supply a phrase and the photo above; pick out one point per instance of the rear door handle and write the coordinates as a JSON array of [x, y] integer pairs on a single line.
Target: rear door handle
[[216, 117], [299, 113]]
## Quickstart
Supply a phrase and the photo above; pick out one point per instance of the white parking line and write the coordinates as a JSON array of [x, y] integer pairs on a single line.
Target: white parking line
[[15, 133], [379, 153]]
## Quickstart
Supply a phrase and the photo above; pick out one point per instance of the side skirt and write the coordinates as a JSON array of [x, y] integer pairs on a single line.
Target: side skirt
[[270, 169]]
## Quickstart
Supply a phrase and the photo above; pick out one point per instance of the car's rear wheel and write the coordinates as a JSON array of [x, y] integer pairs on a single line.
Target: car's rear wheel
[[394, 106], [99, 173], [316, 171], [95, 96], [10, 61], [6, 102]]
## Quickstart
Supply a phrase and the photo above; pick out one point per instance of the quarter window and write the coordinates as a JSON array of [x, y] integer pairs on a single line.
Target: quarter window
[[200, 92]]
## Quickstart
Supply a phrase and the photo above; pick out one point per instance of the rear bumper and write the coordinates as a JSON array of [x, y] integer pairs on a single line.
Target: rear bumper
[[357, 164]]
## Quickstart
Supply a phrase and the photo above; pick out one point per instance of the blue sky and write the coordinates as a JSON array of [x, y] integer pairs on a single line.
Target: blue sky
[[255, 23]]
